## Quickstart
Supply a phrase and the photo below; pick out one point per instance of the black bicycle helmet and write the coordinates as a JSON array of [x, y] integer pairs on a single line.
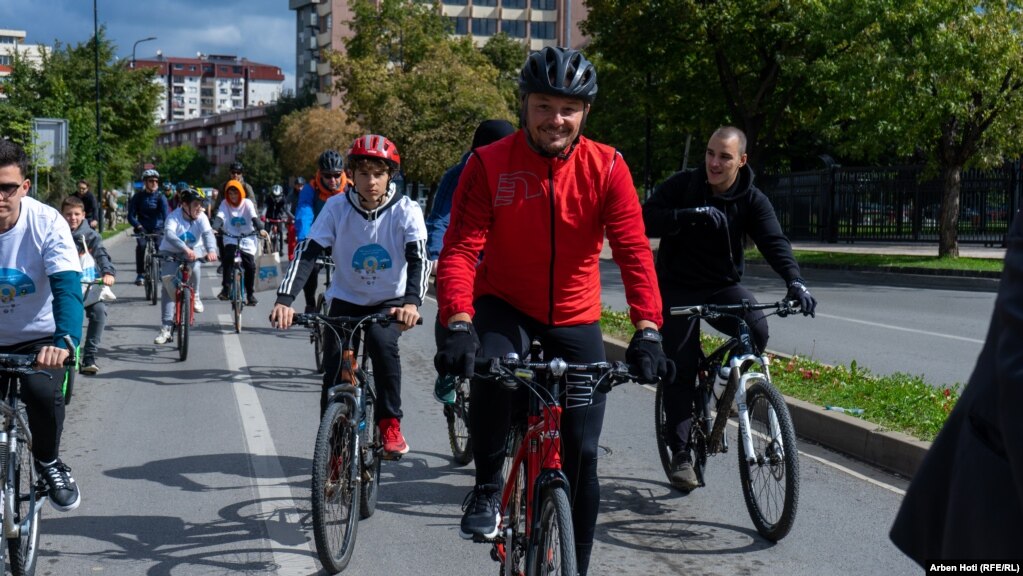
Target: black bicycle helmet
[[190, 194], [236, 167], [559, 72], [331, 161]]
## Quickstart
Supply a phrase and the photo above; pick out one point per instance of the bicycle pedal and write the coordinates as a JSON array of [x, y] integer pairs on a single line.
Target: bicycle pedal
[[480, 539], [392, 456]]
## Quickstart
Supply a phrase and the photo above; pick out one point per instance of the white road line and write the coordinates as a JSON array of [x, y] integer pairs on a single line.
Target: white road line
[[824, 461], [288, 541], [902, 328]]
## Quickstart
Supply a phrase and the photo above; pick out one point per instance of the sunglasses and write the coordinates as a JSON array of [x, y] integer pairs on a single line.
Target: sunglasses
[[152, 179], [334, 175], [7, 189]]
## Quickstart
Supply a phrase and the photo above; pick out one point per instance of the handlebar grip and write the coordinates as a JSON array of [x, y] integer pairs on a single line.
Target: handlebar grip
[[686, 310]]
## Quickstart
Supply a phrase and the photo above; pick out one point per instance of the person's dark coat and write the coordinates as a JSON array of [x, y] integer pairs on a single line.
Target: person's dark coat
[[966, 500]]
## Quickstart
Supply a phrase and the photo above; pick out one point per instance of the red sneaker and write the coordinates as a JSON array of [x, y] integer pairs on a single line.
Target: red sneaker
[[394, 441]]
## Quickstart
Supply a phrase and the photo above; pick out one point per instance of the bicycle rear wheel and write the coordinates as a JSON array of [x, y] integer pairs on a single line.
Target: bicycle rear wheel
[[552, 550], [457, 415], [319, 333], [335, 490], [184, 305], [23, 549], [770, 476], [237, 288], [371, 446]]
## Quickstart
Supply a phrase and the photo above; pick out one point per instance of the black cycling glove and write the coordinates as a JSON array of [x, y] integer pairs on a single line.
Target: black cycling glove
[[457, 354], [646, 354], [704, 214], [798, 291]]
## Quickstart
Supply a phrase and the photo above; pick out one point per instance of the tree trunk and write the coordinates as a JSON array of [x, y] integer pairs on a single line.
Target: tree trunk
[[948, 230]]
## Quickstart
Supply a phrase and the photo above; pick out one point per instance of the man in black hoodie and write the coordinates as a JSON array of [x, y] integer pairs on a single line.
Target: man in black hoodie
[[702, 217]]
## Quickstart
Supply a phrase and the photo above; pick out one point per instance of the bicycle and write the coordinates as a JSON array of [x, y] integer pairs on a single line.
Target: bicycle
[[457, 416], [317, 334], [768, 457], [23, 495], [184, 299], [536, 535], [238, 290], [276, 234], [348, 449], [151, 266]]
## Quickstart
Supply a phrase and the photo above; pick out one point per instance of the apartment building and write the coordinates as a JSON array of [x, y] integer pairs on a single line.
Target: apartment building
[[12, 42], [211, 84], [321, 25], [219, 138]]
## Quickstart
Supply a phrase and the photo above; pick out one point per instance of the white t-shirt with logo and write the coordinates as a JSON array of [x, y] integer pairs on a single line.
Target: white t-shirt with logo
[[237, 222], [369, 254], [179, 232], [38, 246]]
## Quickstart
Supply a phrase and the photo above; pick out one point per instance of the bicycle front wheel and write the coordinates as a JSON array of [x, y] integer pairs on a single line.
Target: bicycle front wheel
[[23, 549], [370, 449], [237, 303], [660, 432], [457, 416], [770, 475], [153, 284], [552, 551], [335, 489], [184, 305], [319, 333]]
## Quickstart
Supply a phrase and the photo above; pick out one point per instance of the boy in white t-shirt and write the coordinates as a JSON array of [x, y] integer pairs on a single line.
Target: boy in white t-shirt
[[41, 303], [237, 216], [186, 232], [378, 241]]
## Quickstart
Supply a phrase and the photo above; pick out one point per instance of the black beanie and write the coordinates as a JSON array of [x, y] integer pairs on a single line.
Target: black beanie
[[491, 131]]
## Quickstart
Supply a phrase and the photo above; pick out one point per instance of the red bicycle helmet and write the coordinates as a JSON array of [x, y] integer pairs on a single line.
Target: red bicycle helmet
[[375, 146]]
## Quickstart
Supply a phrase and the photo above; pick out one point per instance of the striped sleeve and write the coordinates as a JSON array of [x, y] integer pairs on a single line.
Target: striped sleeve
[[418, 272], [298, 273]]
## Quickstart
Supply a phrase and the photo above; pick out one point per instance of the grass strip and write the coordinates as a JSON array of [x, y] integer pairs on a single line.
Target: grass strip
[[111, 232], [888, 261], [898, 401]]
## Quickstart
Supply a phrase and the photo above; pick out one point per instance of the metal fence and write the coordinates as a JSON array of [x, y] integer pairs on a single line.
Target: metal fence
[[892, 204]]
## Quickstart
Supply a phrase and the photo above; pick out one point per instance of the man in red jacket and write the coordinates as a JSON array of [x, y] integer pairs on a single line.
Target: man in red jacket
[[538, 204]]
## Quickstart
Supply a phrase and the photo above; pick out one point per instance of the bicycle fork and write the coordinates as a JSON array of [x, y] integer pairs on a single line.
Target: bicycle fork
[[745, 432]]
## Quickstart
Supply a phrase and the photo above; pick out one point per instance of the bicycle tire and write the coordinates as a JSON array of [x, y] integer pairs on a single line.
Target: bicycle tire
[[457, 415], [154, 280], [552, 550], [660, 422], [335, 498], [319, 334], [24, 548], [761, 479], [184, 320], [370, 450]]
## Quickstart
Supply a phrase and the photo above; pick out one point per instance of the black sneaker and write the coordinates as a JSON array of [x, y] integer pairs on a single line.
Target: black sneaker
[[251, 300], [61, 487], [683, 477], [223, 295], [482, 515]]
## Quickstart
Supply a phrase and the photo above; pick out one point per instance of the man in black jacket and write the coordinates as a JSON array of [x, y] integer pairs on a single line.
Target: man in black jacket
[[702, 217]]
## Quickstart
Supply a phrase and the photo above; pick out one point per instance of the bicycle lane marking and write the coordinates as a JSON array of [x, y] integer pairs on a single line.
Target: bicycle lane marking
[[288, 542], [902, 328], [825, 461]]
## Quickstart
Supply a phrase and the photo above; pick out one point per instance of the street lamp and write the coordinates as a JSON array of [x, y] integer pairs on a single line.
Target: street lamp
[[133, 46]]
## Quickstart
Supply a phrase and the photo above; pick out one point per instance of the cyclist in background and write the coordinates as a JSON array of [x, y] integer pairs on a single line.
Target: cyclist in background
[[187, 233], [701, 217], [487, 132], [330, 180], [237, 172], [41, 304], [538, 204], [277, 209], [378, 238], [237, 217], [147, 213]]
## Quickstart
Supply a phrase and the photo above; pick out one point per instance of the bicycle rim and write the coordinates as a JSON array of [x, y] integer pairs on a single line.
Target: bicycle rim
[[458, 424], [335, 497], [23, 549], [552, 550], [770, 476], [371, 442]]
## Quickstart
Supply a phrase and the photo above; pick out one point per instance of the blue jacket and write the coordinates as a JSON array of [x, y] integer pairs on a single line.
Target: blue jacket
[[148, 210], [440, 211]]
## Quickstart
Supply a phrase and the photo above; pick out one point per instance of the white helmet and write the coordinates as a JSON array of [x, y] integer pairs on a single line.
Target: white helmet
[[277, 190]]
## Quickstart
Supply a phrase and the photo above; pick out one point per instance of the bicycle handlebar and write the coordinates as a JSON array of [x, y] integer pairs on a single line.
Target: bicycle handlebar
[[610, 374], [26, 363], [311, 319], [147, 235], [784, 308], [180, 259]]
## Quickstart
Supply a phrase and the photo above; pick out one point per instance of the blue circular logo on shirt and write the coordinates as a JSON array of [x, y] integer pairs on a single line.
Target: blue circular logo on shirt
[[370, 258], [14, 283]]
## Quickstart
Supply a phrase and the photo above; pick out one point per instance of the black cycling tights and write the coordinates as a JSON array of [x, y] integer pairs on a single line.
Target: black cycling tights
[[503, 329]]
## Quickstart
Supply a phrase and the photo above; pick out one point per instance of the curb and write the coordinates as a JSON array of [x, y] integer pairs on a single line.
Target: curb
[[865, 441], [871, 277]]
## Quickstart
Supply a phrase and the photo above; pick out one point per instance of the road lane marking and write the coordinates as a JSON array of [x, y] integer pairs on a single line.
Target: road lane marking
[[902, 328], [288, 541]]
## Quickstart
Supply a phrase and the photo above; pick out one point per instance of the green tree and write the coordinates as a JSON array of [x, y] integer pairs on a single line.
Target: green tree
[[941, 79], [261, 168], [182, 163], [507, 55], [284, 106]]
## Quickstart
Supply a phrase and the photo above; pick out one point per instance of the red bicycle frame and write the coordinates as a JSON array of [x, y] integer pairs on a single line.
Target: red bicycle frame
[[185, 273]]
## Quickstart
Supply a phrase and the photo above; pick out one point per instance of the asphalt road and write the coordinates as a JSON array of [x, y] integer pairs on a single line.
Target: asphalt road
[[934, 333], [203, 468]]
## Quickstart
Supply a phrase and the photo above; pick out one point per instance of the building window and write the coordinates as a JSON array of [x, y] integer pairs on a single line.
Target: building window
[[484, 2], [513, 3], [461, 24], [514, 28], [484, 26], [542, 30], [456, 2], [544, 5], [5, 60], [179, 66], [11, 39]]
